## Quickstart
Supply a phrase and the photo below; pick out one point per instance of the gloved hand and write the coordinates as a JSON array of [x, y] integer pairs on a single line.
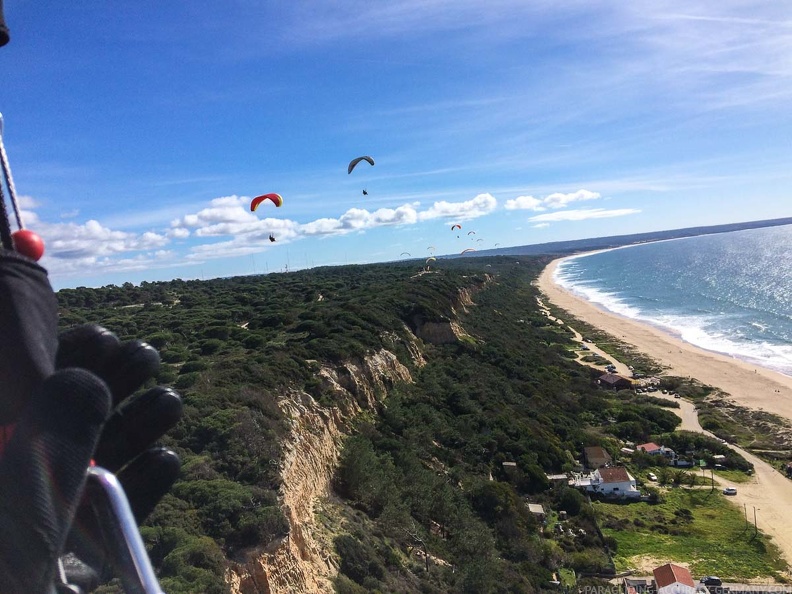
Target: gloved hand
[[62, 404]]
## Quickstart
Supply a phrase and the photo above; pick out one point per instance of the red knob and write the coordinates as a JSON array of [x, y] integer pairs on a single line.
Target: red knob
[[28, 243]]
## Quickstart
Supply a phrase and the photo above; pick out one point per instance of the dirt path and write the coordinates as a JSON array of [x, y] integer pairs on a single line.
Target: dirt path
[[768, 491]]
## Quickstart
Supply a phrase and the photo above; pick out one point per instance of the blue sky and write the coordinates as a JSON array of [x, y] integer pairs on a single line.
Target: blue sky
[[138, 132]]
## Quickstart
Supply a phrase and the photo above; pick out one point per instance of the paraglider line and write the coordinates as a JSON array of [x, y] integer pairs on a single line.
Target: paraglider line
[[5, 227], [9, 180]]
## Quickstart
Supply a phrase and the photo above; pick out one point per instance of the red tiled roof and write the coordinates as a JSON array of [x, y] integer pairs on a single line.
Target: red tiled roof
[[667, 574], [616, 474], [649, 447]]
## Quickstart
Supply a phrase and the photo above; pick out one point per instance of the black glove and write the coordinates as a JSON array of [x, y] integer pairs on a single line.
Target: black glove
[[55, 421]]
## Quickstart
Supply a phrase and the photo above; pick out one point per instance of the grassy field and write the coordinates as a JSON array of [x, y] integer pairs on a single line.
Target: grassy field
[[692, 526]]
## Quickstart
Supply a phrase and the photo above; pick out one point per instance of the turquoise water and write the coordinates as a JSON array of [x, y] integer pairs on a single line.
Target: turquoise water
[[730, 293]]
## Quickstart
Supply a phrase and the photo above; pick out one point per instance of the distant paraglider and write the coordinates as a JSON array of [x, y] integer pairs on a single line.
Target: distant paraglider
[[277, 199], [272, 238], [405, 254], [365, 193], [353, 163], [471, 232], [457, 226], [466, 251]]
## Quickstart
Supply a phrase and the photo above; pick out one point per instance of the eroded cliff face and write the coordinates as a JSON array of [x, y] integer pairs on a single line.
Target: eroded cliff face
[[304, 561]]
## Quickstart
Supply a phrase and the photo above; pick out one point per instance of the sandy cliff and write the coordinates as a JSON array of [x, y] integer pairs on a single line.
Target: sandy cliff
[[304, 561]]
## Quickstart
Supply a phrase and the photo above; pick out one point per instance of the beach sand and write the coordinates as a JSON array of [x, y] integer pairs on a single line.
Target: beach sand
[[768, 491], [749, 385]]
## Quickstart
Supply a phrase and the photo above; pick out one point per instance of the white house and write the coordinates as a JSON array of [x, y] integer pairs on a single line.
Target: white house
[[614, 481], [673, 579]]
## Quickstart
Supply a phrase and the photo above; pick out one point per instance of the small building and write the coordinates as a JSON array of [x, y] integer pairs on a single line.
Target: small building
[[615, 381], [632, 585], [673, 579], [596, 457], [656, 450], [612, 482], [650, 448], [537, 510]]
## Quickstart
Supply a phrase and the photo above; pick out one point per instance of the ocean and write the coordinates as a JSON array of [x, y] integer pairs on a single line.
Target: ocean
[[729, 293]]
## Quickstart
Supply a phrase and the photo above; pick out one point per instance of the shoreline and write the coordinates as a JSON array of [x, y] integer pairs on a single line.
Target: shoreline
[[748, 385], [752, 387]]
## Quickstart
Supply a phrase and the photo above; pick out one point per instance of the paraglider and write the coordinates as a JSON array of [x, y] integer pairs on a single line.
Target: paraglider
[[431, 248], [365, 193], [277, 199], [457, 226], [405, 254], [354, 162], [272, 238], [431, 259], [471, 232], [466, 251]]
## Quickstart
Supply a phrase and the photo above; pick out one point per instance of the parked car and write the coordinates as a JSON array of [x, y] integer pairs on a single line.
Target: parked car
[[711, 580], [652, 476], [728, 491]]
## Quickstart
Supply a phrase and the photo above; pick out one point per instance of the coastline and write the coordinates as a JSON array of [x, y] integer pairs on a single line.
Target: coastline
[[748, 385], [768, 491]]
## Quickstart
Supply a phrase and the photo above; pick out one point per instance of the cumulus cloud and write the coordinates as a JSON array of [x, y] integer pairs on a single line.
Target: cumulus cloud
[[358, 219], [524, 203], [553, 201], [583, 214], [481, 205], [559, 200], [228, 209]]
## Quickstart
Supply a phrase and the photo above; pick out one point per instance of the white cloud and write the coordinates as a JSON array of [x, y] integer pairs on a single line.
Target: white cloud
[[583, 214], [524, 203], [555, 200], [481, 205], [541, 225], [91, 239], [559, 200]]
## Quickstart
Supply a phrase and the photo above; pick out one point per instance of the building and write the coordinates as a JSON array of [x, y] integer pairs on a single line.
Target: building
[[656, 450], [537, 510], [615, 381], [673, 579], [612, 482], [596, 456]]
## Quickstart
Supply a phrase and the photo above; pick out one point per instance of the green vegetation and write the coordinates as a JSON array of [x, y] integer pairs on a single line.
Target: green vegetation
[[697, 526], [430, 505]]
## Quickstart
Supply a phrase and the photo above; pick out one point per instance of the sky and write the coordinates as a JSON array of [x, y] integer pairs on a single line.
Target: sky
[[138, 132]]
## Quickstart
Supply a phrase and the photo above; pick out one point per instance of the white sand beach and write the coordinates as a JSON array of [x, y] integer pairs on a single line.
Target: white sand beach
[[754, 387]]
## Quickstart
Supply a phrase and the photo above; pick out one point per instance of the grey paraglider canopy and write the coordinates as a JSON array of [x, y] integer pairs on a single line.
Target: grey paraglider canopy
[[354, 162]]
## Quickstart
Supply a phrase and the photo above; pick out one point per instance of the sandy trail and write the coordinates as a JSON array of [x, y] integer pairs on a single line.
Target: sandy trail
[[768, 490]]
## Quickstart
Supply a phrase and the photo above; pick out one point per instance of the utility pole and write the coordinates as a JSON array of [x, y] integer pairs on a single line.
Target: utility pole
[[756, 528], [712, 478]]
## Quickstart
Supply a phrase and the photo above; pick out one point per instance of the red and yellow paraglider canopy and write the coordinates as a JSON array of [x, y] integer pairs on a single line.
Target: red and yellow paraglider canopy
[[277, 199]]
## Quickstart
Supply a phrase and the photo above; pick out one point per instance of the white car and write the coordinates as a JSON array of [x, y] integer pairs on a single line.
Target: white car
[[652, 476], [730, 491]]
